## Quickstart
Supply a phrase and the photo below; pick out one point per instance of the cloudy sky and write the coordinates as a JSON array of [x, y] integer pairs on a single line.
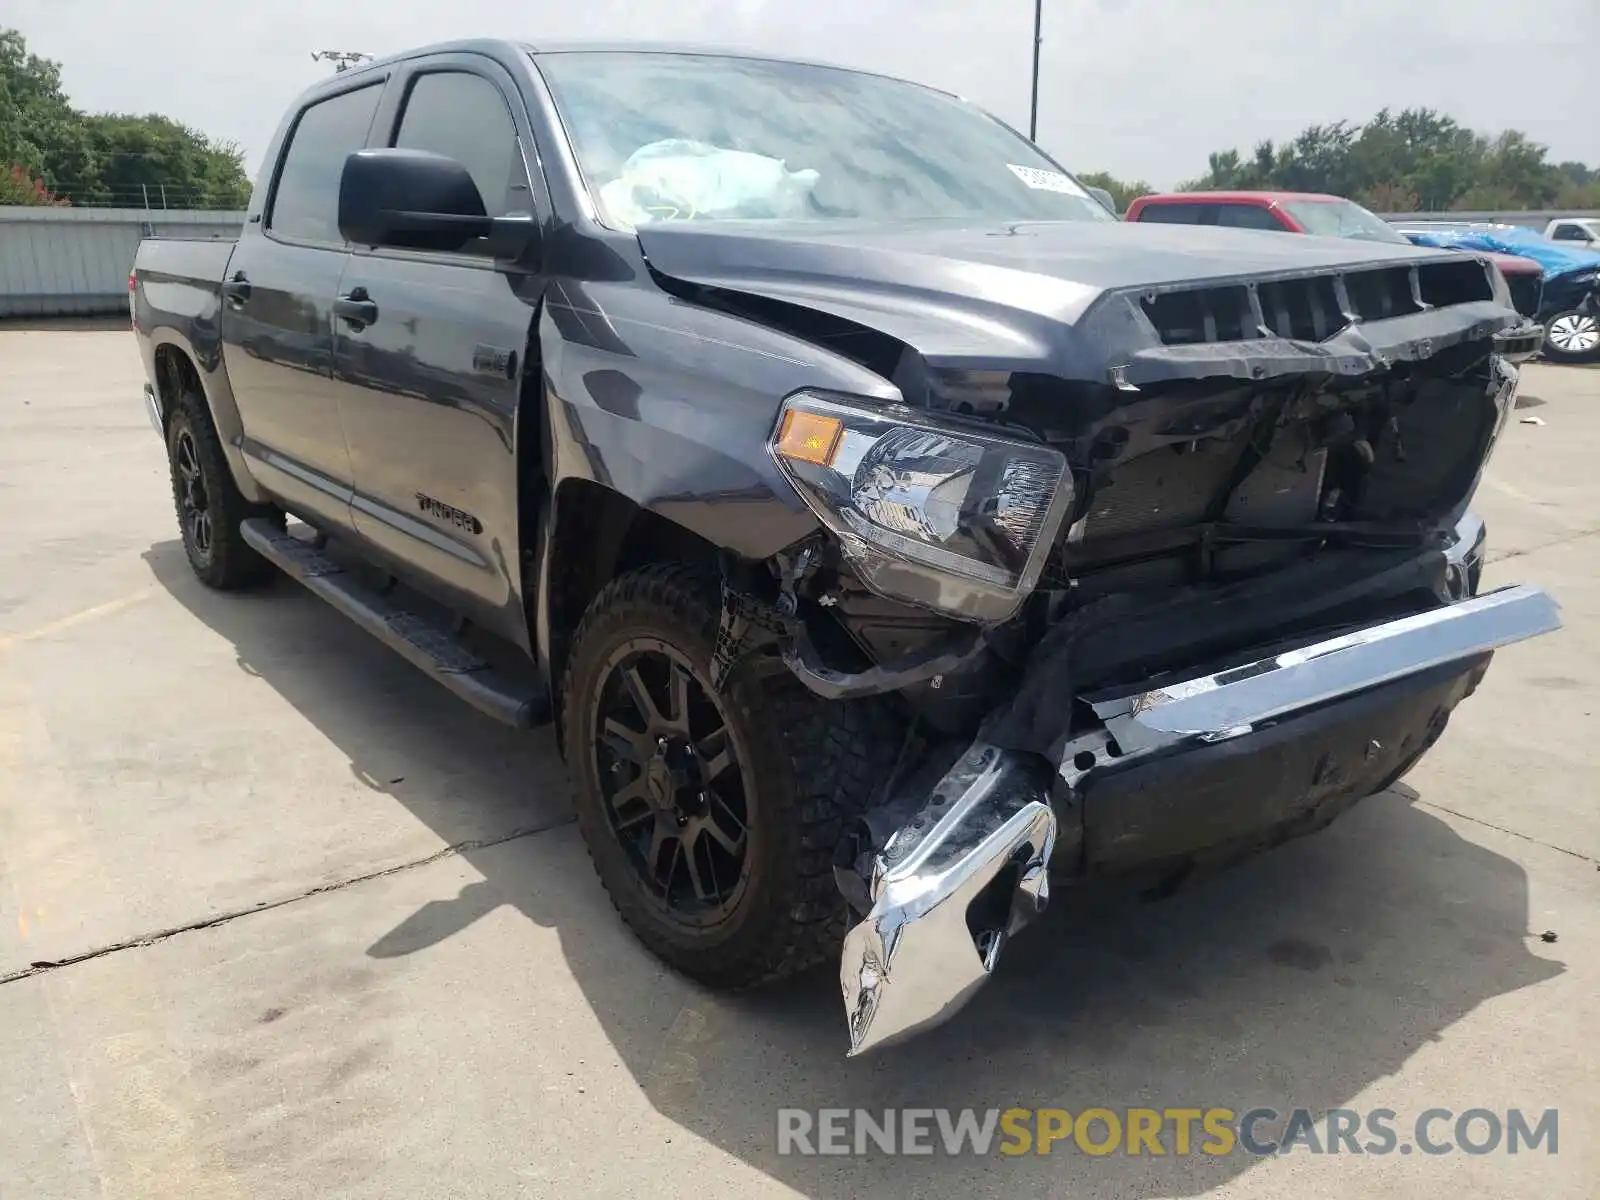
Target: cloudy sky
[[1141, 88]]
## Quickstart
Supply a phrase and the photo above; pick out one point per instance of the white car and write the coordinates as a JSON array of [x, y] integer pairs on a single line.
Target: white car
[[1583, 230]]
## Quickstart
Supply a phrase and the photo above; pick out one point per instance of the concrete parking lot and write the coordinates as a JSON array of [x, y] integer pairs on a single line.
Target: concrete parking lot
[[279, 918]]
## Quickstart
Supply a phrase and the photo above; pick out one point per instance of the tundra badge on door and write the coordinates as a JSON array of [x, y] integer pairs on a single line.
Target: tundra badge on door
[[440, 511]]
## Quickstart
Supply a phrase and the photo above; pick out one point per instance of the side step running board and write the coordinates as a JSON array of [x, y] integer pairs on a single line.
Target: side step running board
[[442, 655]]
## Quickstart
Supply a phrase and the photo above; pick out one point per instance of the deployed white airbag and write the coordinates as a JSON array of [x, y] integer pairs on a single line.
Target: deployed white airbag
[[679, 179]]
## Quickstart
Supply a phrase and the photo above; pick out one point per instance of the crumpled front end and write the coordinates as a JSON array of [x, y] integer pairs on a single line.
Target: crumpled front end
[[1167, 573], [1240, 755]]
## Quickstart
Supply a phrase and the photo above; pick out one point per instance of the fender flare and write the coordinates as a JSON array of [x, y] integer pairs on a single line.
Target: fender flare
[[211, 375]]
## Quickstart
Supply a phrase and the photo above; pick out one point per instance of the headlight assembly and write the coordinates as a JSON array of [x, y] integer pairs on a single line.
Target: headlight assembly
[[927, 512]]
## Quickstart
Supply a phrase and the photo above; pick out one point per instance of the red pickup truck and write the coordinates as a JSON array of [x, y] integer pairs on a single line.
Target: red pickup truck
[[1334, 216]]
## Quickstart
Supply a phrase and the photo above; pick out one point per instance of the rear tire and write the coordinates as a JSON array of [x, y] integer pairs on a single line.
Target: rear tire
[[1572, 337], [712, 818], [208, 503]]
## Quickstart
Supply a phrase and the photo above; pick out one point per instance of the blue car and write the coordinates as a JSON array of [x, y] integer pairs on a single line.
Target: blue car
[[1571, 306]]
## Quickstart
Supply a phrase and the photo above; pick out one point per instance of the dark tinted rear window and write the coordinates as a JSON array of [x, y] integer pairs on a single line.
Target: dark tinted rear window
[[305, 203], [1247, 216], [1175, 214]]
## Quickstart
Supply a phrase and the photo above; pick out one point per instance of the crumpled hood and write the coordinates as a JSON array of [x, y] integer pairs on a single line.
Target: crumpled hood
[[1019, 296]]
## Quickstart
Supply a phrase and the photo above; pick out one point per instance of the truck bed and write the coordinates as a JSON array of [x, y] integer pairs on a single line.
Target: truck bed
[[181, 278]]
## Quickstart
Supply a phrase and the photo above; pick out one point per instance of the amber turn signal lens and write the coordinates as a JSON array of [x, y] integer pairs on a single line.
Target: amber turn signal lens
[[809, 437]]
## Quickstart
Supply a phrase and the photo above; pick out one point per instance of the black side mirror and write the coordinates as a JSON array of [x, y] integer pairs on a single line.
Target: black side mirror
[[418, 200]]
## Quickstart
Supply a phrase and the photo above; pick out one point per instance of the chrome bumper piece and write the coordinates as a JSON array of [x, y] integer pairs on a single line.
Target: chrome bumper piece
[[986, 832], [1231, 703], [956, 882]]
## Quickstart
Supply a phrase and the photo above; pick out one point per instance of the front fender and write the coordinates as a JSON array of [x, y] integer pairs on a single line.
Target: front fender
[[671, 404]]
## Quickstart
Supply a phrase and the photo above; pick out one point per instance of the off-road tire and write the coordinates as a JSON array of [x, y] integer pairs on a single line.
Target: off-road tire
[[228, 563], [814, 764]]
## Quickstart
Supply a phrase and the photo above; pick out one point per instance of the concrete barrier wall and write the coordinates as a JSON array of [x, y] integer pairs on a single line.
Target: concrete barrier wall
[[1533, 220], [75, 261]]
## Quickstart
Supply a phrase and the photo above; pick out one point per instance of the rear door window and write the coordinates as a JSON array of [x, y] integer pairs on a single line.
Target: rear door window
[[1247, 216], [305, 200], [1179, 214]]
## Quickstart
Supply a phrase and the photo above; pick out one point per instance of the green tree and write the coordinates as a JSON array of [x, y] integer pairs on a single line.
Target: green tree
[[108, 159], [171, 164], [40, 131], [1124, 193], [1413, 160]]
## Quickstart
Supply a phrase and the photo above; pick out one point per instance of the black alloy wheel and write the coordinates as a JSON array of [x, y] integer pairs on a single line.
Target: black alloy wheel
[[676, 793], [712, 814], [189, 492], [209, 506]]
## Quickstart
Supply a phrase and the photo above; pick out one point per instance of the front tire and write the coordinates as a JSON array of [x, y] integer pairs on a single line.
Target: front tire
[[1572, 337], [208, 504], [712, 817]]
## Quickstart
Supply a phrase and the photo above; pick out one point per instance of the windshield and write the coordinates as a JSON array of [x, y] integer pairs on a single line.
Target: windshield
[[695, 137], [1342, 219]]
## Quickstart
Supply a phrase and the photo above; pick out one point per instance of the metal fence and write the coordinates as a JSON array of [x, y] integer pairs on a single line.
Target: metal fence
[[153, 196], [75, 261]]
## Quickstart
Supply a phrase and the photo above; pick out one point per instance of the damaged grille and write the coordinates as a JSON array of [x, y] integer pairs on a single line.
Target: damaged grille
[[1526, 293], [1311, 308], [1378, 461], [1166, 489]]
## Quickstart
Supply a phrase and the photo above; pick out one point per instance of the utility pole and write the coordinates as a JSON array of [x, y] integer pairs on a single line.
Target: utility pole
[[1038, 40], [342, 60]]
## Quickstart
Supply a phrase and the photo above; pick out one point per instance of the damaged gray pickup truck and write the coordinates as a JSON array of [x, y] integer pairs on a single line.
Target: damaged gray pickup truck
[[891, 533]]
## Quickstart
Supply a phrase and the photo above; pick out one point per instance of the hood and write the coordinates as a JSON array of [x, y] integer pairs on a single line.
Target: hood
[[1071, 298], [1513, 264]]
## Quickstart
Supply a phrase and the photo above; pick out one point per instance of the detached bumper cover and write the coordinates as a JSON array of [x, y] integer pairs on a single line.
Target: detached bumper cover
[[1292, 736]]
